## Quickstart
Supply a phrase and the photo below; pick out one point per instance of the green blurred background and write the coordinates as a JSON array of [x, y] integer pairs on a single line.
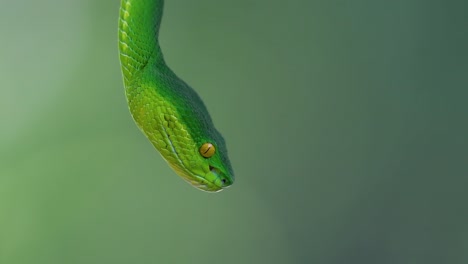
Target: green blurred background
[[346, 123]]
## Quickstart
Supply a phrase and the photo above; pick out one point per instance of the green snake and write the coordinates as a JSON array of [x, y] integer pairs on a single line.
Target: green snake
[[166, 109]]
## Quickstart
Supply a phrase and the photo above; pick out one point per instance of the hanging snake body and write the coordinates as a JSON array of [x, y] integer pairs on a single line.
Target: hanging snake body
[[167, 110]]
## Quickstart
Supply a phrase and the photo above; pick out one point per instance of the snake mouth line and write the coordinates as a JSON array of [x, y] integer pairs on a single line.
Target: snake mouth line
[[200, 184]]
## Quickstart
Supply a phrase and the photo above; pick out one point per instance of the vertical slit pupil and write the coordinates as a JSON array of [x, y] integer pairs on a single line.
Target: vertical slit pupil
[[207, 150]]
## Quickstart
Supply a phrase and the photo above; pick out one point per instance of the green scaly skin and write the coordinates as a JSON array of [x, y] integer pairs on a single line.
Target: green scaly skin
[[164, 107]]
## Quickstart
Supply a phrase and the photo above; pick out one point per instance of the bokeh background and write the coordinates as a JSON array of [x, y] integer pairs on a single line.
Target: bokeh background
[[346, 124]]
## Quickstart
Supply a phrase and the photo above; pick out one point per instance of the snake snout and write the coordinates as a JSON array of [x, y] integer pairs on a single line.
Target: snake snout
[[222, 180], [226, 181]]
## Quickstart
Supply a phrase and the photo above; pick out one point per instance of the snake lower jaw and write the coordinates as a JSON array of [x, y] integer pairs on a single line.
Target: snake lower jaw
[[213, 181], [201, 183], [218, 184]]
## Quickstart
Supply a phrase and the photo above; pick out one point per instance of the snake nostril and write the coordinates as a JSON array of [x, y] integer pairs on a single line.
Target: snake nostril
[[224, 181]]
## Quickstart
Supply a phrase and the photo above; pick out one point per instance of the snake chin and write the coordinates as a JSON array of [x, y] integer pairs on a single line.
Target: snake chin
[[213, 181], [203, 184]]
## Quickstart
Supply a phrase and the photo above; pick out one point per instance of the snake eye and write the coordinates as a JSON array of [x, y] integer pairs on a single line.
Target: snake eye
[[207, 150]]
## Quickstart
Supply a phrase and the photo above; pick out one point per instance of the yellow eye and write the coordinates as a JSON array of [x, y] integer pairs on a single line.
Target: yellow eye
[[207, 150]]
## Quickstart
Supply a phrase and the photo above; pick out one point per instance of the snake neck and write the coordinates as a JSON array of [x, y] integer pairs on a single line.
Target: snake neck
[[139, 24]]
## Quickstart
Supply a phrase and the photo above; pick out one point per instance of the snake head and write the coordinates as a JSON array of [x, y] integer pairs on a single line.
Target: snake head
[[199, 156], [188, 141], [208, 169]]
